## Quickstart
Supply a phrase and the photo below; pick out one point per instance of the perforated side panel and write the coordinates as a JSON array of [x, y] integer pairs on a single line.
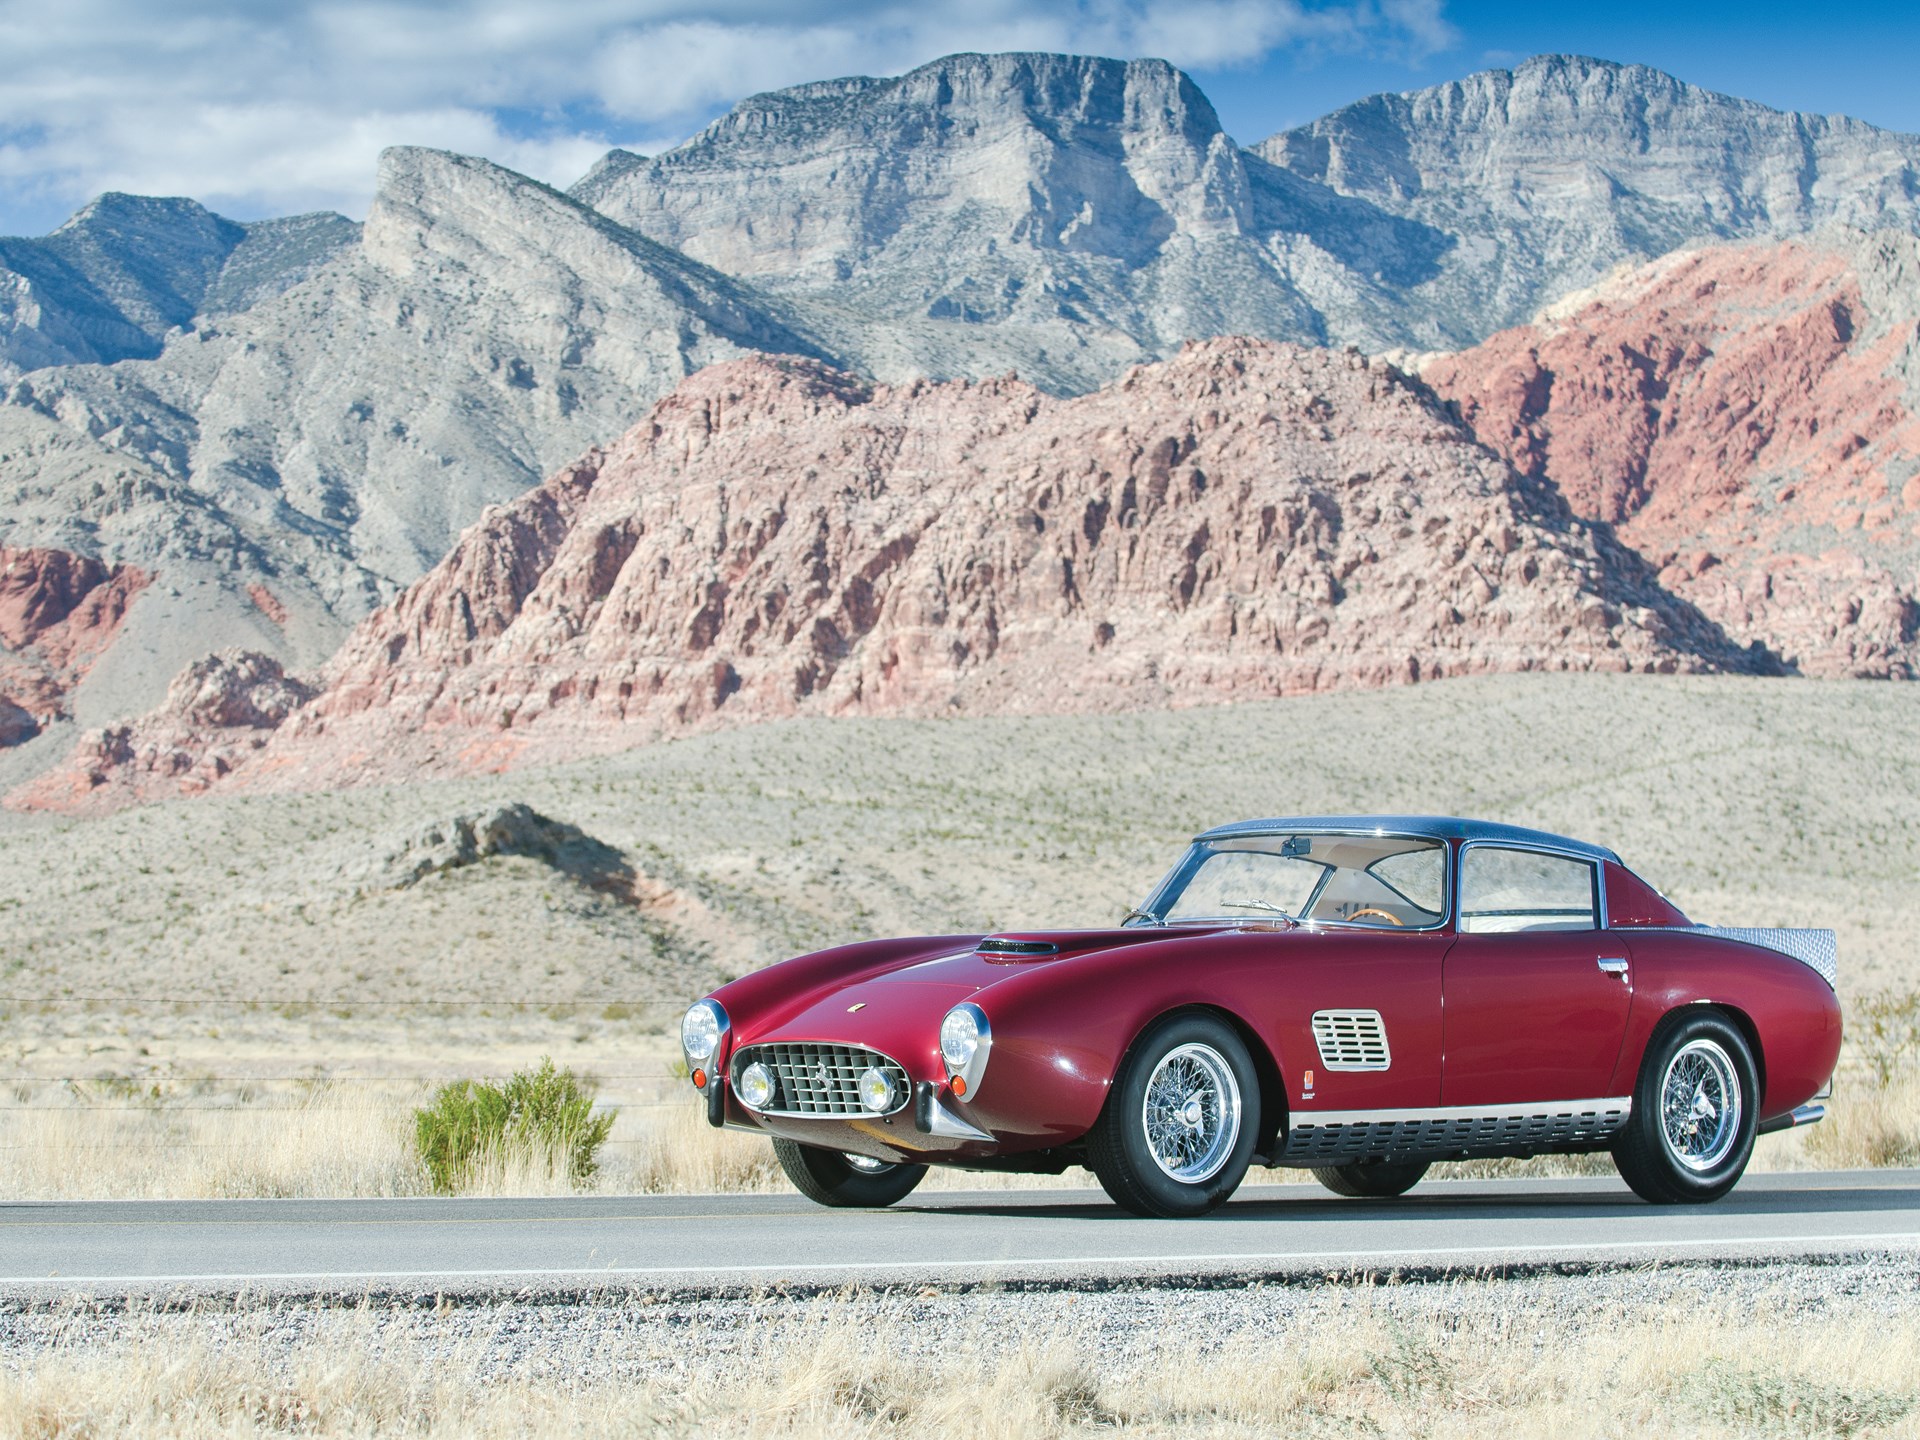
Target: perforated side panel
[[1547, 1128], [1351, 1039]]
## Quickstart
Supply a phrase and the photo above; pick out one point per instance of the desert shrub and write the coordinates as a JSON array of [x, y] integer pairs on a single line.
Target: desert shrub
[[543, 1112], [1883, 1032], [1874, 1116]]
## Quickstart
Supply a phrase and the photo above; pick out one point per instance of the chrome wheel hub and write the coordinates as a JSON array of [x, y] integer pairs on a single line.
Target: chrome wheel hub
[[1191, 1115], [865, 1164], [1700, 1105]]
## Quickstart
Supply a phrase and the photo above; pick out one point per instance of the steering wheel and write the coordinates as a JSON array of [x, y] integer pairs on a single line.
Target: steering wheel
[[1385, 915]]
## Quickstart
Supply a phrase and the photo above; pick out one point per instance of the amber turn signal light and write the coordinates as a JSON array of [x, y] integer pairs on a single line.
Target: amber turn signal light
[[699, 1078], [960, 1087]]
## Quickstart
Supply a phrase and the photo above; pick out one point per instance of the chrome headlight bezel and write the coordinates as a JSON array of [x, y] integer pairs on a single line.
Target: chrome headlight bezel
[[966, 1043], [702, 1030]]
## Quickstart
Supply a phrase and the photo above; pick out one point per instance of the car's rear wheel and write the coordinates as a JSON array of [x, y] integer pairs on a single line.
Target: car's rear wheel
[[1180, 1122], [829, 1177], [1371, 1180], [1695, 1113]]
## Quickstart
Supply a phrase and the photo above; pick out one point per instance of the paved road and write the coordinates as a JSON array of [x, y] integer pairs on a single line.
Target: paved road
[[731, 1241]]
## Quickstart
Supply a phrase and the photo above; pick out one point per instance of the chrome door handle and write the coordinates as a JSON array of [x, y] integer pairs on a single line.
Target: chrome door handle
[[1613, 965]]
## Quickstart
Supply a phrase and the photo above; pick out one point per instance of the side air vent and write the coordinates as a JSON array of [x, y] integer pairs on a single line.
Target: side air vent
[[995, 946], [1351, 1039]]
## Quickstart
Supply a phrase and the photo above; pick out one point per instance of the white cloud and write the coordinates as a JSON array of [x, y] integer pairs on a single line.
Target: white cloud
[[267, 106]]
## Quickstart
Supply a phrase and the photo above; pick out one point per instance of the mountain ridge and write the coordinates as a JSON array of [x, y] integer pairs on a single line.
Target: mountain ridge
[[343, 402]]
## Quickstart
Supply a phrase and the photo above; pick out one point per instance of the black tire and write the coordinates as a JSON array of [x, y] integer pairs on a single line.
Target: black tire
[[1703, 1049], [1371, 1180], [827, 1177], [1118, 1149]]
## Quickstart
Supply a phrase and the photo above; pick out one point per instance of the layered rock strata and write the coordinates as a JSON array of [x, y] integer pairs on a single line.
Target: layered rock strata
[[780, 538], [59, 612], [1745, 417]]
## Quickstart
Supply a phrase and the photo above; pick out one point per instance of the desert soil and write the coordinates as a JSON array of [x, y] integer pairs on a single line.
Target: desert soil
[[227, 954]]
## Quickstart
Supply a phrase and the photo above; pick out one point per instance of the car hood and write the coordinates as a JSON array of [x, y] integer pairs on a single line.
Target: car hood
[[901, 1009], [996, 957]]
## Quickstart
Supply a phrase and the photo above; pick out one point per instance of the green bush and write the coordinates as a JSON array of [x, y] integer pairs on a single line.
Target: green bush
[[542, 1112]]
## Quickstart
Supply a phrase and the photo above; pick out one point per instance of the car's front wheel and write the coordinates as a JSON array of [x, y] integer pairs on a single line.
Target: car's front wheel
[[1375, 1180], [1180, 1123], [828, 1177], [1695, 1113]]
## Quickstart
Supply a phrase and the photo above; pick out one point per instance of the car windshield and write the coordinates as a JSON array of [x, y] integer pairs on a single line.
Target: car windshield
[[1391, 881]]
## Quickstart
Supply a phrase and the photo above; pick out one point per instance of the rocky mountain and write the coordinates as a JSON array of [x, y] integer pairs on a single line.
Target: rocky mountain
[[59, 613], [327, 445], [1746, 417], [780, 538], [1097, 198], [115, 279], [284, 424]]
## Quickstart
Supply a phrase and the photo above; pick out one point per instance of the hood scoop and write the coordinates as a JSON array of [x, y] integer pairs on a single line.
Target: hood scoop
[[996, 945]]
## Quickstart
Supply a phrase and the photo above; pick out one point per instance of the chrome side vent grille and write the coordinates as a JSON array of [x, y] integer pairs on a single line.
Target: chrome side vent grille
[[810, 1079], [993, 945], [1351, 1040]]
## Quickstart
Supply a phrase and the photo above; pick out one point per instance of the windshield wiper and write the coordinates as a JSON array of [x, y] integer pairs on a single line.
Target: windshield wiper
[[1266, 905]]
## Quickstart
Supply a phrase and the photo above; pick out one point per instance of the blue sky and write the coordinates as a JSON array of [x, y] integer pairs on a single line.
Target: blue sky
[[261, 107]]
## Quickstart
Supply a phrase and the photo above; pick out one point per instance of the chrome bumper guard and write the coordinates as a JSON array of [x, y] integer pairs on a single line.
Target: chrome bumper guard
[[930, 1117]]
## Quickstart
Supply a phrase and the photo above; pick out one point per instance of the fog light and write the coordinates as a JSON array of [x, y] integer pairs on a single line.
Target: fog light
[[756, 1086], [876, 1091]]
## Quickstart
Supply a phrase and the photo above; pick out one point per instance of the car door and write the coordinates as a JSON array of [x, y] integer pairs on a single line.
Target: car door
[[1535, 990]]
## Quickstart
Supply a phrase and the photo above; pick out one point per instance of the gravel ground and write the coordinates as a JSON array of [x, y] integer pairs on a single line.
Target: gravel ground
[[626, 1336]]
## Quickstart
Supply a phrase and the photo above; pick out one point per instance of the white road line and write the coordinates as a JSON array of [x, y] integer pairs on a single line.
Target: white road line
[[1898, 1237]]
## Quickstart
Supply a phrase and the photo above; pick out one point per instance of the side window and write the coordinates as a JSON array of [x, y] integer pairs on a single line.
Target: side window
[[1504, 890]]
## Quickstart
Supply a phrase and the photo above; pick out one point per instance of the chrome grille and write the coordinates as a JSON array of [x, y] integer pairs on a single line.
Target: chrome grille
[[811, 1079], [1351, 1039]]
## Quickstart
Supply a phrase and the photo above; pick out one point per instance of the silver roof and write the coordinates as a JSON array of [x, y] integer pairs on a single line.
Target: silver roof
[[1438, 827]]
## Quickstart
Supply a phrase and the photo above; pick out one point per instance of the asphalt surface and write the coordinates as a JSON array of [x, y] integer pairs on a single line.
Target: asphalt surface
[[733, 1242]]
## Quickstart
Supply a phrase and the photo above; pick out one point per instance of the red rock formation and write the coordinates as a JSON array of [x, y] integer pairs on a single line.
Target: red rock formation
[[218, 712], [1741, 416], [778, 538], [59, 612]]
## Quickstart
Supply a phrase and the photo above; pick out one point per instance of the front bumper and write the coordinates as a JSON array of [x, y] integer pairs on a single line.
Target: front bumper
[[931, 1129]]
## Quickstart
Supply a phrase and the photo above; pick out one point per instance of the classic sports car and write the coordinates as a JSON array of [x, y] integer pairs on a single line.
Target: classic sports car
[[1357, 995]]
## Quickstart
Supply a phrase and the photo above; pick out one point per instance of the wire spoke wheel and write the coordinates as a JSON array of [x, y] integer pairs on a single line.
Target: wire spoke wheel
[[1191, 1114], [1700, 1105]]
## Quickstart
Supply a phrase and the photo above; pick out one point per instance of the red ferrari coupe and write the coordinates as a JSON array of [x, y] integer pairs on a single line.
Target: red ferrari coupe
[[1357, 995]]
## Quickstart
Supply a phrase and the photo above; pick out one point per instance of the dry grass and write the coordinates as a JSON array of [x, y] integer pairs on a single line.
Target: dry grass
[[325, 1143], [1359, 1366], [111, 1140]]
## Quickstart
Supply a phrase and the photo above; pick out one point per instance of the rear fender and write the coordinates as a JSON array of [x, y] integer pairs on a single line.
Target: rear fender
[[1788, 1014]]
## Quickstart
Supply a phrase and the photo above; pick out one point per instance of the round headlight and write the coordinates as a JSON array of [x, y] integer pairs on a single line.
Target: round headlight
[[959, 1038], [700, 1032], [756, 1086], [876, 1091]]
